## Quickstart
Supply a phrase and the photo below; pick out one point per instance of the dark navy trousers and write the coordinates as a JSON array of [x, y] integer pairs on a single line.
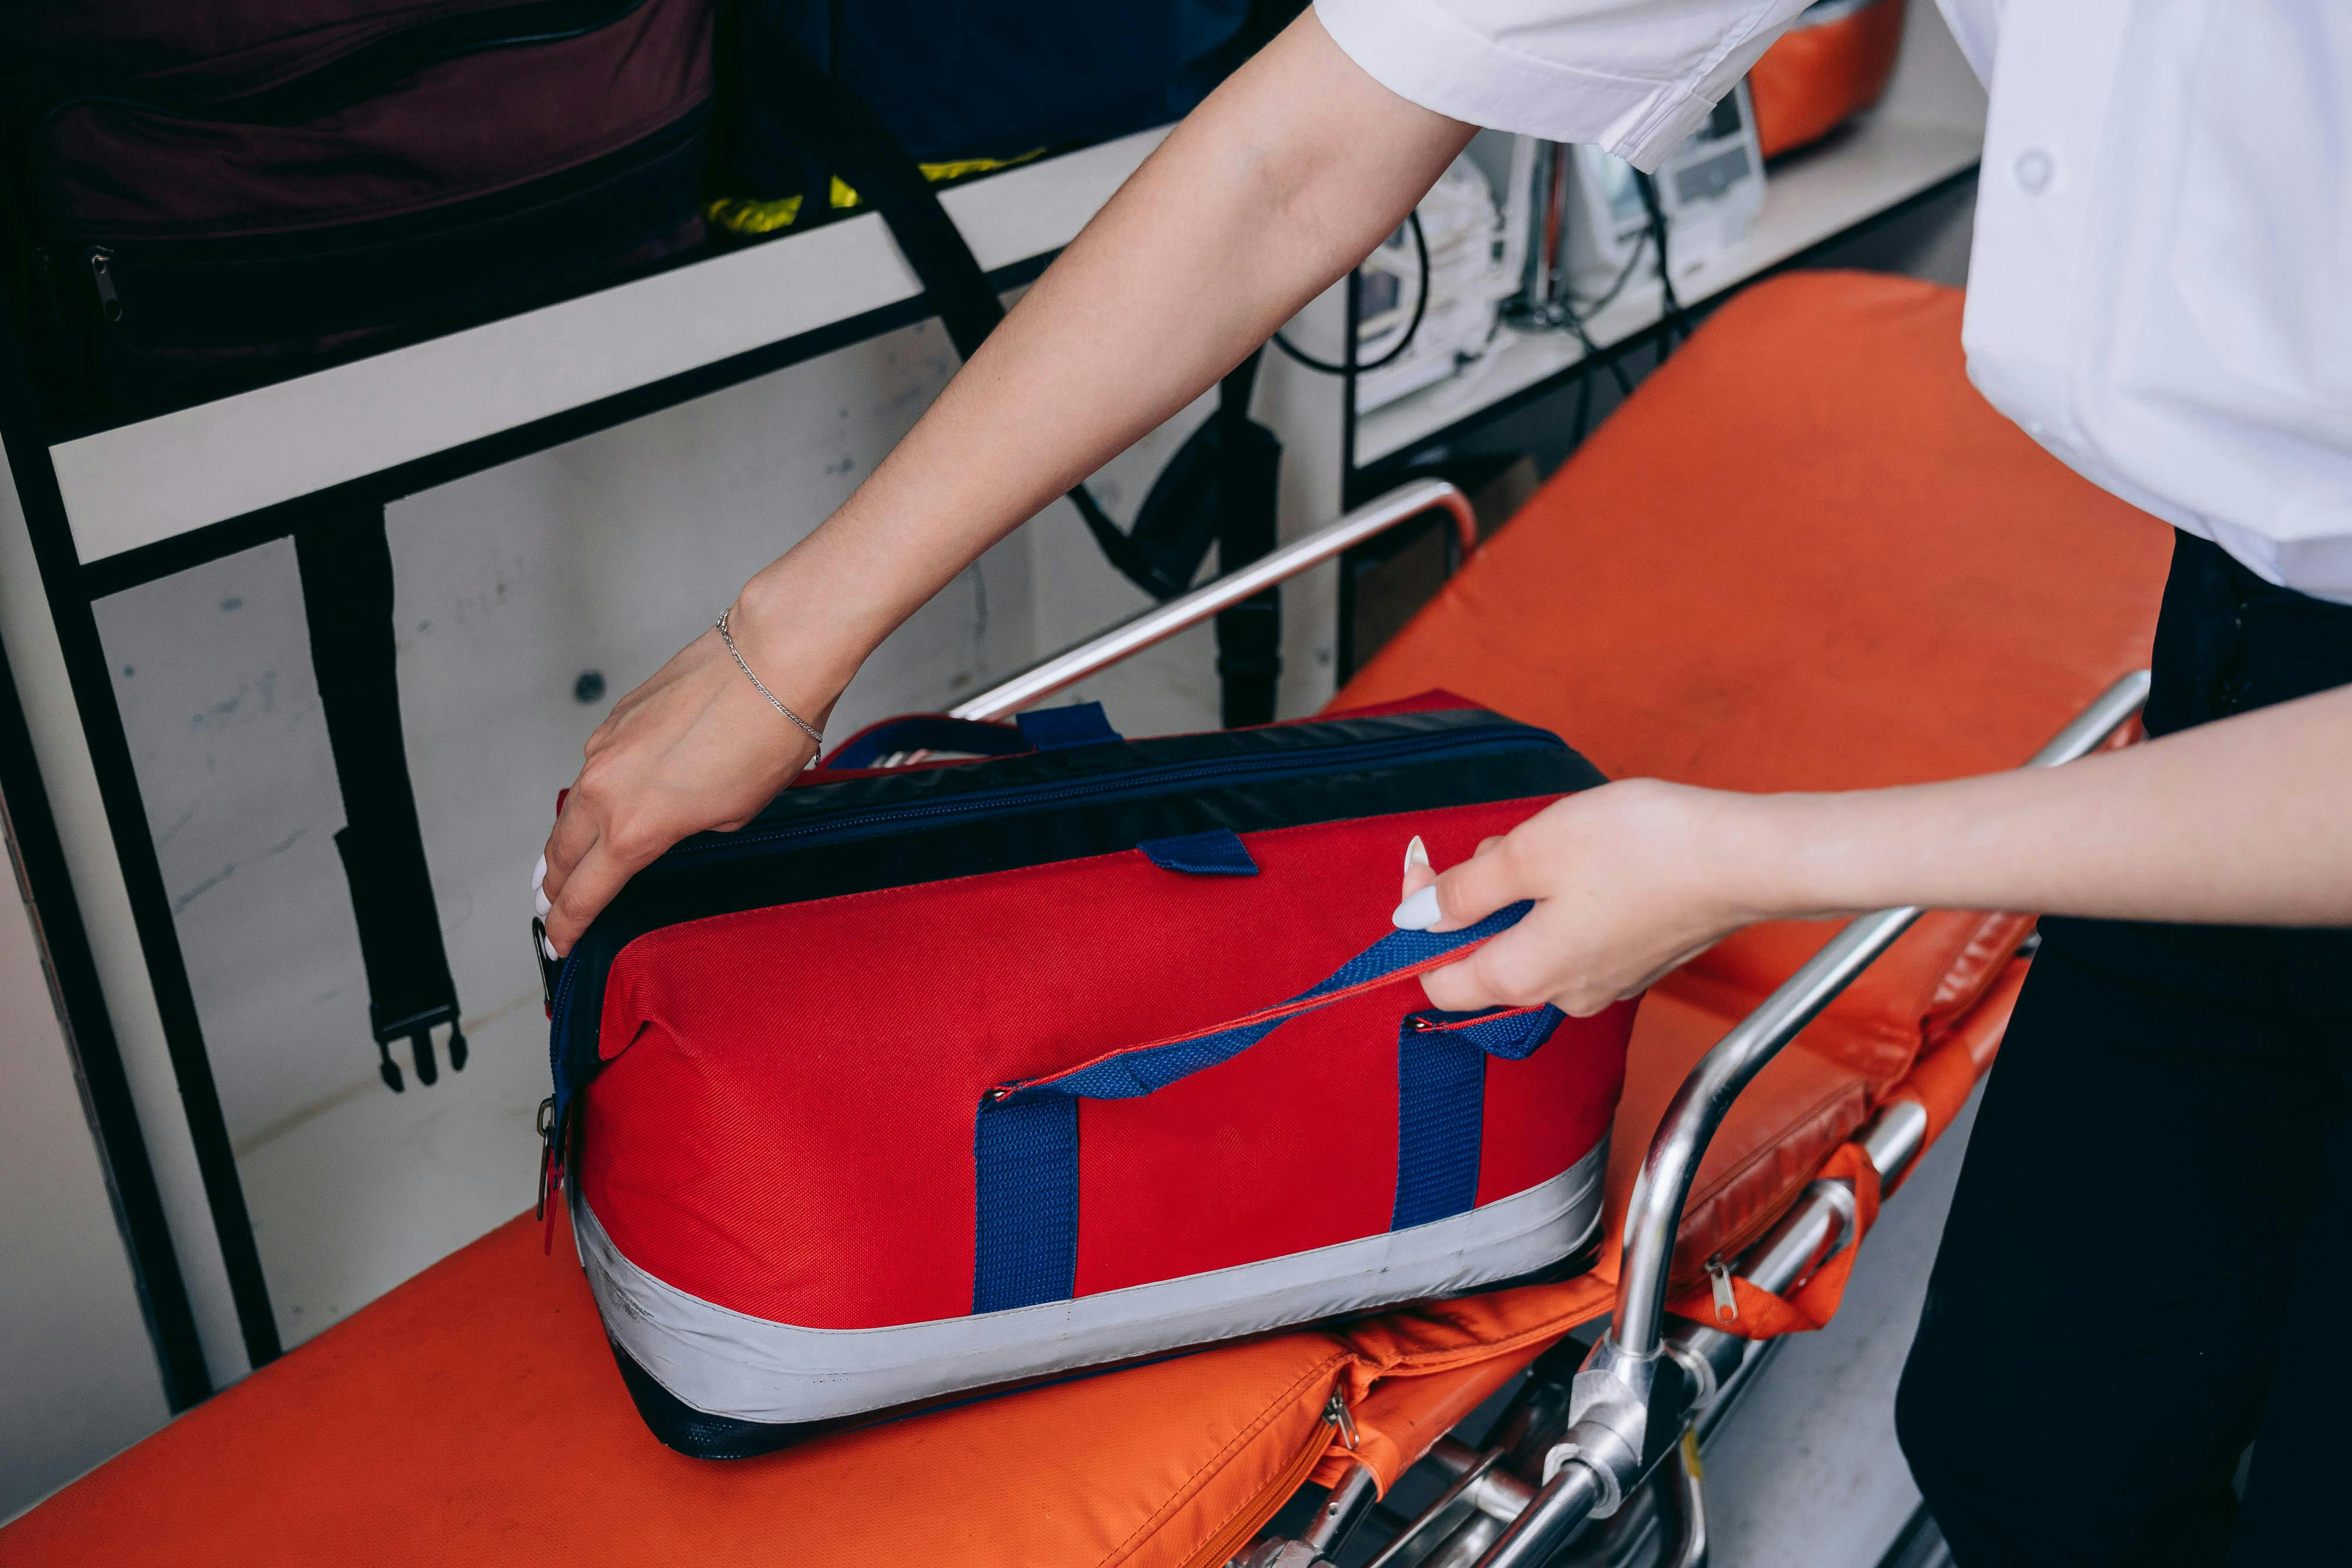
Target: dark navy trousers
[[2146, 1267]]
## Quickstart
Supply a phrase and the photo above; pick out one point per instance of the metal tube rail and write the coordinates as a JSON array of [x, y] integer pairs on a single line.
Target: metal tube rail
[[1162, 621], [1816, 1230], [1654, 1213], [1620, 1397]]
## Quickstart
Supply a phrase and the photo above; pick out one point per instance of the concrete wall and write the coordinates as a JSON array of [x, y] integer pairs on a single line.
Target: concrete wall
[[603, 556], [76, 1362]]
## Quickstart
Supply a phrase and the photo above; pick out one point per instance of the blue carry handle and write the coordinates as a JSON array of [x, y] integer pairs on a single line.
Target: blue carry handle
[[1025, 1142]]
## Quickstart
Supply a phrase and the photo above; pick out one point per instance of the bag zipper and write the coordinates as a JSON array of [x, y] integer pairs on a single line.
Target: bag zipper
[[719, 847], [1727, 1304], [1341, 1418], [101, 278]]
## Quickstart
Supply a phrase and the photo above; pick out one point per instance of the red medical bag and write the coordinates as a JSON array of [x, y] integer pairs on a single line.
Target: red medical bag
[[970, 1074]]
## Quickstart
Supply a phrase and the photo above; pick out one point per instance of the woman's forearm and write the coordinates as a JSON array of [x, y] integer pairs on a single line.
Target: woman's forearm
[[2247, 821], [1289, 173], [1286, 178]]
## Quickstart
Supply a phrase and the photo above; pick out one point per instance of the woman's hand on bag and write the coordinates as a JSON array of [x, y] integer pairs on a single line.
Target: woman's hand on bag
[[1629, 881], [695, 748]]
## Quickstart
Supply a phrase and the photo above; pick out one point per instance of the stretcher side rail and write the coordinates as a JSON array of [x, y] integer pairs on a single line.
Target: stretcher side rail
[[1626, 1409], [1637, 1388], [1161, 622], [1575, 1447]]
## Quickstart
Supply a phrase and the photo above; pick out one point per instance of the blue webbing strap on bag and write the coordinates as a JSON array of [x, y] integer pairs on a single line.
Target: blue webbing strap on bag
[[1026, 1142], [1442, 1103]]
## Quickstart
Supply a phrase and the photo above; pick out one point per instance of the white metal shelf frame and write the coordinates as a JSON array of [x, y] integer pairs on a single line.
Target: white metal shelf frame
[[143, 485], [100, 512]]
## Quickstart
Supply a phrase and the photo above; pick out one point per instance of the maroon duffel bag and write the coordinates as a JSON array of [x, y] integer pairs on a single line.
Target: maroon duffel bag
[[207, 197]]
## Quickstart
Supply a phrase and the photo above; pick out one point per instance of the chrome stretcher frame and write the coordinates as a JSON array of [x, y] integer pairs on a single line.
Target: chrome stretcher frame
[[1574, 1445], [1581, 1444]]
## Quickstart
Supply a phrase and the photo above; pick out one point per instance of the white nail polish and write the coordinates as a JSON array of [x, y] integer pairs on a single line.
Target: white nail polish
[[548, 947], [1416, 853], [538, 876], [538, 902], [1418, 913]]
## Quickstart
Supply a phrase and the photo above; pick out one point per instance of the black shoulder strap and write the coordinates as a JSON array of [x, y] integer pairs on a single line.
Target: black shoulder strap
[[1249, 636], [346, 568], [1220, 488], [804, 106]]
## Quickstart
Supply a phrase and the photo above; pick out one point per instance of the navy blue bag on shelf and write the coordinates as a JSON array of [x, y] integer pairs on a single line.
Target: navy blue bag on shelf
[[832, 105], [962, 85]]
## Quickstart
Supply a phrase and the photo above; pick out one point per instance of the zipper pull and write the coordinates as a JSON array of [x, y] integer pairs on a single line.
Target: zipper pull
[[1338, 1414], [551, 1171], [101, 276], [547, 966], [1727, 1305]]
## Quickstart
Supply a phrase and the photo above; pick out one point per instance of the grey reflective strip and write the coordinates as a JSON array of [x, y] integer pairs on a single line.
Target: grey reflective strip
[[727, 1362]]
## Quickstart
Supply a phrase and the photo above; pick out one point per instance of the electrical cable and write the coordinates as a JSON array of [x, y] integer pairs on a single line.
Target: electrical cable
[[1594, 354], [1583, 408], [1592, 308], [1670, 322], [1420, 308]]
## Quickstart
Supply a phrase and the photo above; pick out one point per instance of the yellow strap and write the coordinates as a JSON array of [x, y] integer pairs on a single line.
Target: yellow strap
[[743, 216]]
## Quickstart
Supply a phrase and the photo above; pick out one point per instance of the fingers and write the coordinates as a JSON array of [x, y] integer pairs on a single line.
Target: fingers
[[577, 829], [1418, 873], [1520, 968], [1494, 976], [592, 886], [1467, 894]]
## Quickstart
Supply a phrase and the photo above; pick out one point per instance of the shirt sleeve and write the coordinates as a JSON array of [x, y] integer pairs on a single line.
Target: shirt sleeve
[[1634, 77]]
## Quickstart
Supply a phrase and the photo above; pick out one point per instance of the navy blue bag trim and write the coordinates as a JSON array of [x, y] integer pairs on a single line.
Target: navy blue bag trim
[[1441, 1103], [1217, 852], [1053, 728], [1026, 1243]]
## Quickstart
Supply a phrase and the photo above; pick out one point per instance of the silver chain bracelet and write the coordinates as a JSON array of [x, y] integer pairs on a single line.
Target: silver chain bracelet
[[728, 638]]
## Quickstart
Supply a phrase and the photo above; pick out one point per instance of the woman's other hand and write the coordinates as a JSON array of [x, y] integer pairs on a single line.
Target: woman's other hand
[[1629, 881], [695, 748], [1266, 195]]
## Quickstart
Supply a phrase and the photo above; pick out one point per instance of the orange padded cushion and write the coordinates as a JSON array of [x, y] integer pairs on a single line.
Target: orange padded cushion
[[1800, 1107], [474, 1416], [1806, 555]]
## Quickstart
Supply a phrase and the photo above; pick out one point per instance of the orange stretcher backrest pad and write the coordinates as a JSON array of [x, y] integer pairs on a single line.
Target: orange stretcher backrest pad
[[1806, 555]]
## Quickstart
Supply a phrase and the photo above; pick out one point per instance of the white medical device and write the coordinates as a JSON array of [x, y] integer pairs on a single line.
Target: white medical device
[[1588, 227], [1472, 268], [1710, 189]]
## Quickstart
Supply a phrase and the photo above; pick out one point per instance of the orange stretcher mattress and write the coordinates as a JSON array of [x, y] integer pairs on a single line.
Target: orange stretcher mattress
[[1804, 555]]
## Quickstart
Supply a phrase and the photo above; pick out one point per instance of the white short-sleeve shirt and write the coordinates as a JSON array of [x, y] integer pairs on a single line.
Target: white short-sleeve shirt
[[2161, 286]]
